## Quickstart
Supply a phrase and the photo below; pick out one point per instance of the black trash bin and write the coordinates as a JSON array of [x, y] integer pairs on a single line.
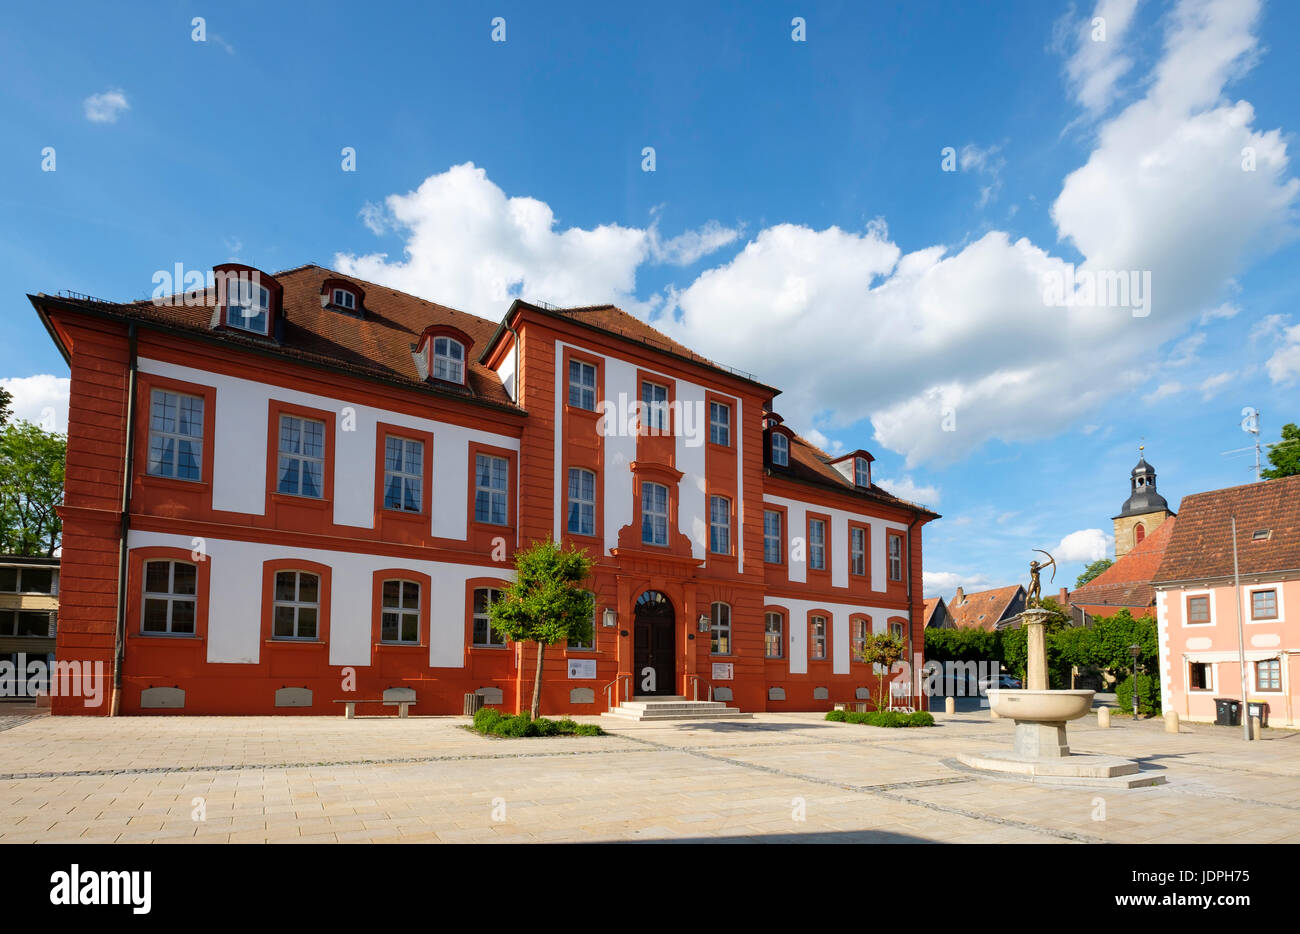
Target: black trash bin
[[1227, 712], [1258, 709]]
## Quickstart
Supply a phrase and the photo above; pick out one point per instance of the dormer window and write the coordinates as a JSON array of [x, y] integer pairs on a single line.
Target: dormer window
[[342, 298], [861, 472], [780, 449], [448, 360], [248, 305]]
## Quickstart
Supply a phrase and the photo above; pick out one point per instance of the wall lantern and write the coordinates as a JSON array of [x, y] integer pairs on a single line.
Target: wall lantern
[[611, 618], [705, 623]]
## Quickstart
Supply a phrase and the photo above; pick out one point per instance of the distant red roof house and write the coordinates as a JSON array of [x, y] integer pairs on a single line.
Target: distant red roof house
[[1126, 584], [937, 615], [987, 609]]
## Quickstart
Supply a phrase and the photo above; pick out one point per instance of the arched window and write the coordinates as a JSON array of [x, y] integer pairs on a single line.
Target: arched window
[[484, 634], [400, 620], [448, 360], [170, 598], [818, 637], [780, 449], [342, 298], [1139, 533], [248, 305], [720, 638], [860, 630]]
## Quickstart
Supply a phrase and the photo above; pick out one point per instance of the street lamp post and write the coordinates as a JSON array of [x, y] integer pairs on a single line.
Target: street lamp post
[[1136, 651]]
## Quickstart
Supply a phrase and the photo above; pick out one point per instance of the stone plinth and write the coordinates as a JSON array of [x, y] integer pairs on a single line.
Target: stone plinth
[[1035, 740]]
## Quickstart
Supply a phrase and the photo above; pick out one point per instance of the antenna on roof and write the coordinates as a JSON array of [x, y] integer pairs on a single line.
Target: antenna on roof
[[1250, 425]]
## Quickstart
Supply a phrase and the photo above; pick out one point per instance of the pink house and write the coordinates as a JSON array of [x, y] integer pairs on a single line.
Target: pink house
[[1198, 606]]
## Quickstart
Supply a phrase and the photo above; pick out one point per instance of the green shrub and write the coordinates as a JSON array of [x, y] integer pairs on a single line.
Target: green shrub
[[489, 720], [1148, 695], [838, 716], [920, 718], [485, 718], [882, 718], [857, 717], [518, 725], [588, 729]]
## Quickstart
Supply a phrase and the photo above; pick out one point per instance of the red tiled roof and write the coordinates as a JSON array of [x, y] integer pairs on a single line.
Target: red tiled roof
[[810, 464], [1201, 545], [376, 343], [931, 604], [1127, 582], [982, 610]]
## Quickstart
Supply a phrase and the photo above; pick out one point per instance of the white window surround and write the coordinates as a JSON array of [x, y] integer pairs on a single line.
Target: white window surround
[[1187, 676], [1247, 590], [448, 362], [342, 298], [1253, 680], [248, 308], [1183, 612]]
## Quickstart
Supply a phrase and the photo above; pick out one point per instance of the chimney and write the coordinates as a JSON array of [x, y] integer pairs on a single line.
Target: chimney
[[1064, 598], [956, 601]]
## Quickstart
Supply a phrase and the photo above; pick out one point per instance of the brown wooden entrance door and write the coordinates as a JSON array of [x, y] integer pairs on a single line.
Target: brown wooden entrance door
[[654, 645]]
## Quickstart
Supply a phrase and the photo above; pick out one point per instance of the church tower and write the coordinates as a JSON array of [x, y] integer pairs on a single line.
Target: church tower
[[1144, 510]]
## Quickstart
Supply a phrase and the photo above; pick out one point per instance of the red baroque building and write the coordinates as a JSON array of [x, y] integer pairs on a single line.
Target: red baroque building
[[286, 491]]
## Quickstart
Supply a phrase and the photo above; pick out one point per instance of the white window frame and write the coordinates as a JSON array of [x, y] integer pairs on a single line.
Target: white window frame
[[1210, 666], [490, 493], [298, 456], [1248, 592], [400, 611], [770, 539], [861, 473], [719, 528], [824, 640], [854, 644], [444, 364], [1254, 686], [296, 604], [720, 628], [655, 411], [1185, 613], [894, 543], [171, 597], [720, 424], [858, 555], [486, 617], [779, 632], [656, 517], [781, 451], [581, 386], [586, 508], [817, 545], [406, 480], [238, 304], [342, 298], [172, 431]]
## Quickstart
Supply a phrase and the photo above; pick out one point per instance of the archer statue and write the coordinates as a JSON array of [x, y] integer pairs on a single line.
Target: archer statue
[[1035, 596]]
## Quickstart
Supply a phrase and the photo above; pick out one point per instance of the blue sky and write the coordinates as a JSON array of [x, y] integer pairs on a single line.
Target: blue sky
[[798, 223]]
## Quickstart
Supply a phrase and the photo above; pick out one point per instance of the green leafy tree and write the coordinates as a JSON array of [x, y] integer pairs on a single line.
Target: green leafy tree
[[6, 406], [1111, 637], [883, 649], [546, 603], [1285, 455], [1092, 571], [31, 488]]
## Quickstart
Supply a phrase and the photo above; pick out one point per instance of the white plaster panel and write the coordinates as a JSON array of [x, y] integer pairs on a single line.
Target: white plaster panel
[[797, 623]]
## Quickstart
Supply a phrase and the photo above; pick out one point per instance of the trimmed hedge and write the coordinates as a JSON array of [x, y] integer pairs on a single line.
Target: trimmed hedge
[[882, 718], [491, 722]]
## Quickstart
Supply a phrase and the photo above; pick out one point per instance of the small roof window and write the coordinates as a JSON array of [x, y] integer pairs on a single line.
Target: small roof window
[[1261, 535]]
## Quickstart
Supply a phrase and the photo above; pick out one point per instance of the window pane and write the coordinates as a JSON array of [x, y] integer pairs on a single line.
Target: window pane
[[388, 628], [308, 588], [184, 578], [286, 585], [391, 593], [183, 616], [157, 576], [307, 622], [410, 627], [8, 580], [155, 616], [283, 625]]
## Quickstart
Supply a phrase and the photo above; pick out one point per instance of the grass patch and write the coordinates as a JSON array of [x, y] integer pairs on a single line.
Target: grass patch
[[882, 718]]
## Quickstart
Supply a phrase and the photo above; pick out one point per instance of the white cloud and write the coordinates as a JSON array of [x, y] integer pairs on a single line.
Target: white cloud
[[1184, 351], [105, 107], [1211, 385], [908, 489], [41, 400], [959, 346], [945, 583], [1284, 364], [1165, 390], [1098, 61], [470, 246], [1224, 311], [1084, 545]]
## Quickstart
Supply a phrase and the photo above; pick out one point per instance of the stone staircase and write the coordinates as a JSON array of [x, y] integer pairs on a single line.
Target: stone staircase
[[641, 709]]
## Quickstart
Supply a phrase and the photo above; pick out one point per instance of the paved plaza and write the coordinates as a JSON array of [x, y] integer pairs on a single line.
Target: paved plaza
[[776, 778]]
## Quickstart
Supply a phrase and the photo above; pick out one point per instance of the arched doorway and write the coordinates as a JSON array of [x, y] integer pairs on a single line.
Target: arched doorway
[[654, 647]]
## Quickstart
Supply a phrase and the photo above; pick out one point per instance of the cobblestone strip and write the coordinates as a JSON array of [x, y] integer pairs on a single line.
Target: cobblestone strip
[[8, 723], [886, 790], [279, 766]]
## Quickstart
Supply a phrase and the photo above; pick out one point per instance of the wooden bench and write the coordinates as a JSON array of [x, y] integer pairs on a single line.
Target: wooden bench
[[350, 708]]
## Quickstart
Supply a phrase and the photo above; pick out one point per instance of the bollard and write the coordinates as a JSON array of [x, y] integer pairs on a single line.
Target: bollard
[[950, 705], [1171, 721], [993, 714], [1103, 718], [1254, 727]]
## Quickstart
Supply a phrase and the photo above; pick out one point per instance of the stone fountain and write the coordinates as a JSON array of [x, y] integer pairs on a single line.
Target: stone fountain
[[1041, 752]]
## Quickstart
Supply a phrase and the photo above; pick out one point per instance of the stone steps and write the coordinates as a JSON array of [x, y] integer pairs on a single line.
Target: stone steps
[[674, 708]]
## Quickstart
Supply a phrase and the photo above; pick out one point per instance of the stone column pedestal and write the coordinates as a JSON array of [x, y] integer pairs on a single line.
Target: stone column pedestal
[[1035, 621], [1037, 740]]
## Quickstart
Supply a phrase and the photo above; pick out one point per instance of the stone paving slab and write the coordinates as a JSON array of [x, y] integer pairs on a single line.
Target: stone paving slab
[[776, 778]]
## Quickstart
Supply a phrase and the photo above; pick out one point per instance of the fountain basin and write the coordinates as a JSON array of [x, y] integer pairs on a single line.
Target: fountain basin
[[1040, 706]]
